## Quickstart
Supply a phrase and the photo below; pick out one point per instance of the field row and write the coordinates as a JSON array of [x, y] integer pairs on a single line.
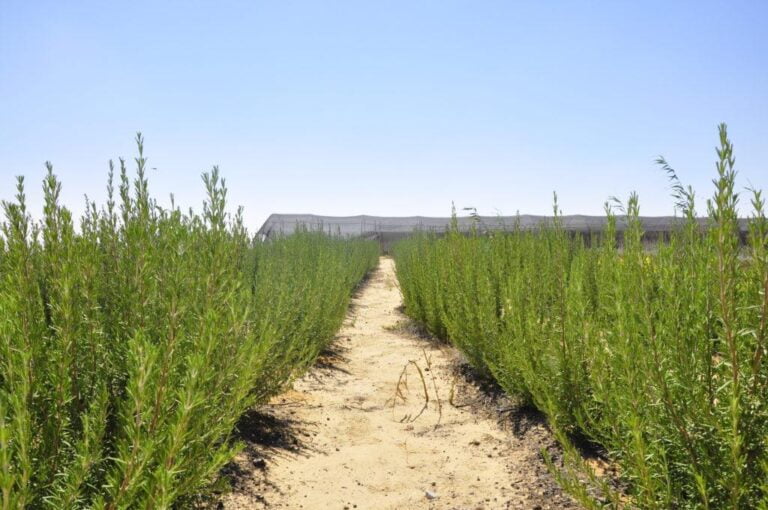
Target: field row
[[131, 344], [656, 359]]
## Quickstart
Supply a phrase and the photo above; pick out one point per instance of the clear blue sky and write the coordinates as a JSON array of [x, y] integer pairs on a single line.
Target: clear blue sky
[[391, 108]]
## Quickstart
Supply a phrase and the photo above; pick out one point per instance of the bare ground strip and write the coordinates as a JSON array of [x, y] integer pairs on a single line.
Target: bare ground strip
[[386, 421]]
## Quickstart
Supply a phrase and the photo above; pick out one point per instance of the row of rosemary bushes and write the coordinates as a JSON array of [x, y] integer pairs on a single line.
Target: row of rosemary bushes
[[132, 342], [656, 357]]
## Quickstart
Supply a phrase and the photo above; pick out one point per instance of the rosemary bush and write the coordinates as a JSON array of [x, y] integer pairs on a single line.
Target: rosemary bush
[[657, 356], [131, 343]]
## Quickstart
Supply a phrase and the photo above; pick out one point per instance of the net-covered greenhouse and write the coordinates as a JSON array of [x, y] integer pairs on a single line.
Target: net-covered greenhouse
[[390, 229]]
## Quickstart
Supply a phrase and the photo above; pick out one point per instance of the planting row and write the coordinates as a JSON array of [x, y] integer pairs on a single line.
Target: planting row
[[131, 343], [656, 359]]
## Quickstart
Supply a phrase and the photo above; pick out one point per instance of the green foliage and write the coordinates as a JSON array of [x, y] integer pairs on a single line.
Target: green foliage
[[130, 346], [656, 354]]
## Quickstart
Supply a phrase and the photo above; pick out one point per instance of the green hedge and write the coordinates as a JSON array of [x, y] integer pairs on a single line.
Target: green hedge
[[131, 343], [657, 356]]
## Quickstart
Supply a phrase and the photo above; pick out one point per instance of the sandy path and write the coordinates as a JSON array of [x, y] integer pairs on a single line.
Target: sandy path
[[334, 441]]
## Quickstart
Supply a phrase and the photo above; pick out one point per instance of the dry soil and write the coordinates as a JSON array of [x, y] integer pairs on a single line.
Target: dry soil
[[357, 431]]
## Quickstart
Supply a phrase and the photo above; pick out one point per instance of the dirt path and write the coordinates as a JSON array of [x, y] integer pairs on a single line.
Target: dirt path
[[335, 442]]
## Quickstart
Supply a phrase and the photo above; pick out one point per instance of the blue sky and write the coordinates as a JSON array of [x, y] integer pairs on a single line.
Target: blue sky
[[391, 108]]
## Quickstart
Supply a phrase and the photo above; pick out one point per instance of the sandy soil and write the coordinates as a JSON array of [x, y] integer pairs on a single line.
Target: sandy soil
[[335, 441]]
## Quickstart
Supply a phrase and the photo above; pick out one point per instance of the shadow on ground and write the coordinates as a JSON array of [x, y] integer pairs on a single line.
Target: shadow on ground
[[333, 358]]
